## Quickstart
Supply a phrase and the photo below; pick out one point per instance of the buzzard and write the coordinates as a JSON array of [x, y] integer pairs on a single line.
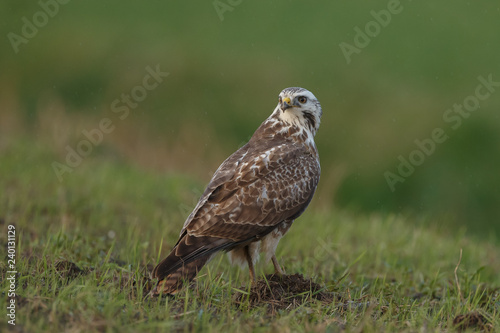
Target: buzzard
[[253, 197]]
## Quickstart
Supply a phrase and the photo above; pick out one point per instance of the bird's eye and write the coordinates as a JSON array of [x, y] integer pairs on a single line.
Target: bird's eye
[[280, 101], [302, 99]]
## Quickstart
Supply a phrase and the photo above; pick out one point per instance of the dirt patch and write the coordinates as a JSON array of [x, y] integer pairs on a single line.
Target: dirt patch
[[284, 293], [68, 270], [472, 320]]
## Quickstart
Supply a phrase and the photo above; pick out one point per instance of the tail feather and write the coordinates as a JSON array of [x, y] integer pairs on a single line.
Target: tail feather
[[187, 258], [173, 282], [184, 262]]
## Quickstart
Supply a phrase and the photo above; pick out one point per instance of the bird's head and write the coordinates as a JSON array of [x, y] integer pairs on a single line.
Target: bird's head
[[298, 106]]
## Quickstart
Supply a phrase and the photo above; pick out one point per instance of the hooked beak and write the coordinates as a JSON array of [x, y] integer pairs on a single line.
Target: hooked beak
[[286, 103]]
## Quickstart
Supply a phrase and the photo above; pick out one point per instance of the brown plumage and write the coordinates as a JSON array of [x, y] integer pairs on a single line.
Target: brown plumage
[[254, 196]]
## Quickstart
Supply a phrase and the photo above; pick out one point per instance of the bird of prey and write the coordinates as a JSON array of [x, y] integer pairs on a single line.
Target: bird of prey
[[253, 197]]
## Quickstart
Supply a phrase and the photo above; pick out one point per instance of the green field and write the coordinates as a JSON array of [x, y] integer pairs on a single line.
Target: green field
[[85, 249], [89, 231]]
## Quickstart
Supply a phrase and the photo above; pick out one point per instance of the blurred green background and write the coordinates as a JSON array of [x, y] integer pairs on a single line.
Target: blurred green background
[[227, 62]]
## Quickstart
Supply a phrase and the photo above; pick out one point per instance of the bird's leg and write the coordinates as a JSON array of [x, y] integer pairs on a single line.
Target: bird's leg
[[277, 269], [250, 264]]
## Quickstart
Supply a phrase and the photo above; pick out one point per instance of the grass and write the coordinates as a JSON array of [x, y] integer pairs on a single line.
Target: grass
[[85, 247]]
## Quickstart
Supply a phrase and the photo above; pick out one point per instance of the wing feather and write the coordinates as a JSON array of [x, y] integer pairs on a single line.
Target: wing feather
[[254, 189]]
